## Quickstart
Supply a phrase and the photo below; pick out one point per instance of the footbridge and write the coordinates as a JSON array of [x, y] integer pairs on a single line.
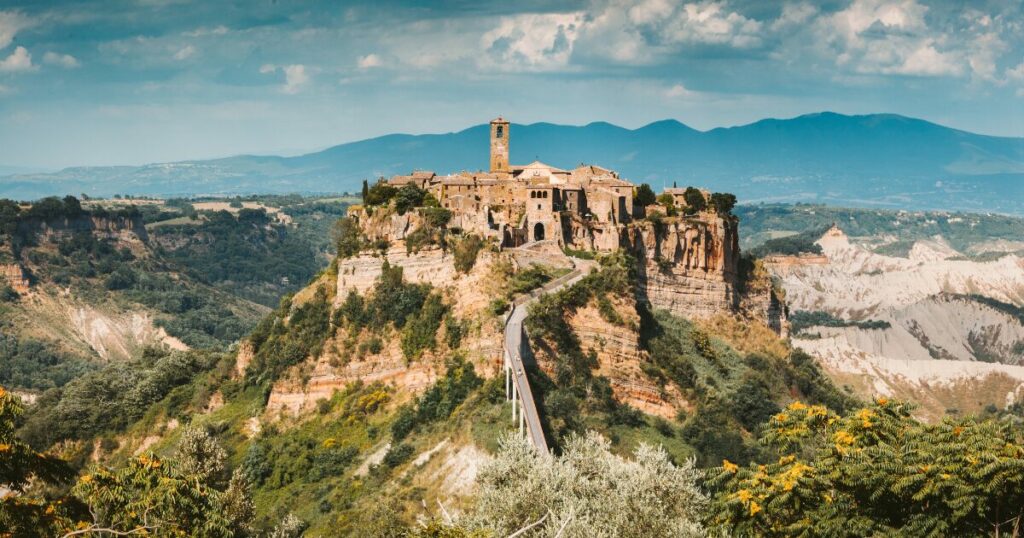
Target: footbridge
[[517, 385]]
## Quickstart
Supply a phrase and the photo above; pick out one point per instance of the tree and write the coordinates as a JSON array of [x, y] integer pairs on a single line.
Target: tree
[[723, 202], [645, 195], [588, 491], [379, 194], [348, 237], [695, 200], [366, 190], [200, 455], [876, 472], [22, 515], [408, 197]]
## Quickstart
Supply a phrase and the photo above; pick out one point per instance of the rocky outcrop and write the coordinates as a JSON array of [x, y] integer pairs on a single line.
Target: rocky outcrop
[[857, 283], [687, 266], [110, 227], [15, 277], [620, 356]]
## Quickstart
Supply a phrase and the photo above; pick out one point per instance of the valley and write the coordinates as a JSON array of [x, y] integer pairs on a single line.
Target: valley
[[347, 359]]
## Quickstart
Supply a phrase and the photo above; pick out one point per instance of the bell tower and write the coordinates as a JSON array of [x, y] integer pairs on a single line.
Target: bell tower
[[499, 145]]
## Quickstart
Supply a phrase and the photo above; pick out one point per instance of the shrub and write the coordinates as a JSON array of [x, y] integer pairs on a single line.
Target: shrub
[[695, 200], [348, 238], [466, 252], [380, 194], [408, 197], [588, 491], [398, 455], [723, 202], [645, 195]]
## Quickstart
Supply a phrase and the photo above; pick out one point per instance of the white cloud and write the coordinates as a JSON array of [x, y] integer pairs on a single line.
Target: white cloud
[[203, 31], [11, 22], [889, 37], [19, 60], [1016, 73], [185, 53], [66, 61], [369, 61], [679, 91], [535, 42], [628, 31], [793, 15], [295, 78]]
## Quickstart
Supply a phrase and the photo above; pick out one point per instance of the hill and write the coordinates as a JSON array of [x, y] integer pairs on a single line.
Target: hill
[[870, 160]]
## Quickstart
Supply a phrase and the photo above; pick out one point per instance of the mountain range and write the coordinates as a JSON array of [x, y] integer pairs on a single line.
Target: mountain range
[[882, 160]]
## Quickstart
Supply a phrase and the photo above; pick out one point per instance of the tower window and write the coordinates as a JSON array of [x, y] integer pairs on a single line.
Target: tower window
[[501, 131]]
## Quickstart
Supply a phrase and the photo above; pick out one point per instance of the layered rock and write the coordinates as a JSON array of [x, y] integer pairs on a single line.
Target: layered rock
[[619, 357], [15, 277]]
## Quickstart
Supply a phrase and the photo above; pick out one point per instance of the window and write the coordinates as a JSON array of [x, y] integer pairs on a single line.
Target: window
[[501, 131]]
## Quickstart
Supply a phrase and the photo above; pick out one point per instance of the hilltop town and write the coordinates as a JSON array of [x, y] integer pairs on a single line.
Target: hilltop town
[[517, 204]]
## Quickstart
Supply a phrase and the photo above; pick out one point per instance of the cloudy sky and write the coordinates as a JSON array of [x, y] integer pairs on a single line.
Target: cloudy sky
[[136, 81]]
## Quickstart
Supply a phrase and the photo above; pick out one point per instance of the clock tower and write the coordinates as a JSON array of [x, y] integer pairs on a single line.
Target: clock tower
[[499, 145]]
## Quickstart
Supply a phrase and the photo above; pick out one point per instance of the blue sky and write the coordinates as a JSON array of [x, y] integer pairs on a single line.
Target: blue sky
[[138, 81]]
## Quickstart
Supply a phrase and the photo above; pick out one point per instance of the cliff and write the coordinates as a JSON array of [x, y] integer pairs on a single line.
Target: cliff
[[110, 227]]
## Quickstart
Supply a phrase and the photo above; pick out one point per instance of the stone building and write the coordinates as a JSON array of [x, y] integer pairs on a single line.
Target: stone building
[[533, 202]]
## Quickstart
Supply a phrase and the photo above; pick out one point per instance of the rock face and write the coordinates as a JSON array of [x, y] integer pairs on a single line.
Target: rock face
[[14, 276], [941, 348], [122, 228], [858, 283], [340, 364], [619, 357]]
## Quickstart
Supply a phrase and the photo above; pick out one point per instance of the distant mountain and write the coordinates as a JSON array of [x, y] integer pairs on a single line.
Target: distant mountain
[[873, 160]]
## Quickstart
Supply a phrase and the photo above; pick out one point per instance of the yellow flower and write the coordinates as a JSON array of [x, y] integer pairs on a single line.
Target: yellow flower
[[797, 406], [787, 459], [730, 466], [844, 437], [87, 478], [754, 508], [744, 495], [882, 400], [4, 447], [828, 498]]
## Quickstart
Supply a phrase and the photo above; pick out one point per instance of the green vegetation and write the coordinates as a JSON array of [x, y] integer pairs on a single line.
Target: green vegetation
[[439, 401], [379, 194], [723, 202], [247, 255], [126, 390], [27, 363], [876, 472], [420, 330], [289, 335], [961, 230], [645, 195], [531, 278], [792, 245], [588, 491], [801, 320], [348, 237], [466, 251], [695, 201], [181, 496]]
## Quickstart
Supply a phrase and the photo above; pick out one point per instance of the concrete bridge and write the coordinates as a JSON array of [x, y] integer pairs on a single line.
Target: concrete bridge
[[517, 385]]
